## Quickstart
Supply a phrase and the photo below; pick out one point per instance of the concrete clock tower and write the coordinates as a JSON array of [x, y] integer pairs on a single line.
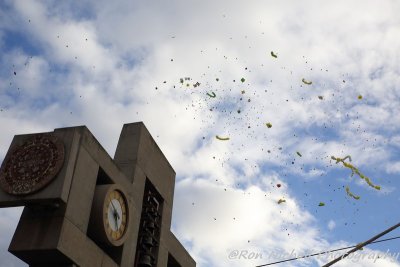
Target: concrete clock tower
[[83, 208]]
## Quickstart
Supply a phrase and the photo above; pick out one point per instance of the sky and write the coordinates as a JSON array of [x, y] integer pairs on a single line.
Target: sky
[[290, 83]]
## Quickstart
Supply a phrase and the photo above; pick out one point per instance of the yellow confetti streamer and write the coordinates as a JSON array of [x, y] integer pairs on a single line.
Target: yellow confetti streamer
[[306, 82], [351, 194], [222, 138], [355, 170]]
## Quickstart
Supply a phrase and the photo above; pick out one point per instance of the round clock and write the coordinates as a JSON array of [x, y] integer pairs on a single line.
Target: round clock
[[110, 215], [31, 166]]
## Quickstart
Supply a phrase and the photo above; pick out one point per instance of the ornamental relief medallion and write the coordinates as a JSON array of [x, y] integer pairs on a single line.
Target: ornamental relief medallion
[[32, 165]]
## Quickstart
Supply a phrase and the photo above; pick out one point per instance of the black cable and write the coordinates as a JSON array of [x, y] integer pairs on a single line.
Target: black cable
[[329, 251], [361, 245]]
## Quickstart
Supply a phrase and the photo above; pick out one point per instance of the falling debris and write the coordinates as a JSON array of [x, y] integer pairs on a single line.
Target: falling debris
[[360, 97], [242, 80], [213, 95], [243, 92], [278, 185], [351, 194], [321, 97], [268, 124], [355, 170], [273, 54], [321, 204], [15, 73], [306, 82], [222, 138], [298, 153], [347, 157], [196, 84], [281, 201]]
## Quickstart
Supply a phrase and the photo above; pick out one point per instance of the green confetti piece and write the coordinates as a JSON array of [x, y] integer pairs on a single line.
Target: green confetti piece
[[306, 82], [213, 95]]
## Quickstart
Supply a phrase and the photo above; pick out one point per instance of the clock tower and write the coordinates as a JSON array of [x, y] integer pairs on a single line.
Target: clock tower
[[84, 208]]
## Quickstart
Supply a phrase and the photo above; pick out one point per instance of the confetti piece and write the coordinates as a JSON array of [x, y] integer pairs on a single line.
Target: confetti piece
[[355, 170], [269, 125], [298, 153], [278, 185], [360, 97], [306, 82], [351, 194], [196, 84], [321, 204], [243, 92], [242, 80], [281, 201], [222, 138], [321, 97], [212, 94], [273, 54]]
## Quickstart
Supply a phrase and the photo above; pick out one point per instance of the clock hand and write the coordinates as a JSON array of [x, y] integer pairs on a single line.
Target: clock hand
[[115, 210], [116, 221]]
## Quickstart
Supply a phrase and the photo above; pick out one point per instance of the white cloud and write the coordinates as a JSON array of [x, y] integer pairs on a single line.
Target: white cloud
[[331, 225], [132, 48]]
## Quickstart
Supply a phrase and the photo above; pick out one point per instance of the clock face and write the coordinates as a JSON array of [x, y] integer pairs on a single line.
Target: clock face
[[115, 215]]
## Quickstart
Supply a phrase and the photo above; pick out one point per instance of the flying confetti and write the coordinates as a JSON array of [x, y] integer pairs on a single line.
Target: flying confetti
[[355, 170], [273, 54], [298, 153], [359, 97], [321, 204], [212, 94], [306, 82], [242, 80], [321, 97], [268, 124], [222, 138], [351, 194], [281, 201]]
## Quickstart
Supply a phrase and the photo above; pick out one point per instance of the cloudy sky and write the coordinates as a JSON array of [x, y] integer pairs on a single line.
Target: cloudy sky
[[194, 70]]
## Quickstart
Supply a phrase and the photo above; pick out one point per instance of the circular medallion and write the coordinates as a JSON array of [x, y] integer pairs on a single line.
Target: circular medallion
[[33, 165]]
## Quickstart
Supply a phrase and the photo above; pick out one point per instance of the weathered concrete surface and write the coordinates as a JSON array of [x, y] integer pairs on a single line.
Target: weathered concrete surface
[[57, 235]]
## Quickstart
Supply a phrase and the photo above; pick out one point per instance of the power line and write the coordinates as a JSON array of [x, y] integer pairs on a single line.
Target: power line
[[359, 246], [324, 252]]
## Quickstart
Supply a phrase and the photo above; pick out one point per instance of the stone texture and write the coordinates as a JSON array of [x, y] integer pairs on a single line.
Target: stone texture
[[53, 229]]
